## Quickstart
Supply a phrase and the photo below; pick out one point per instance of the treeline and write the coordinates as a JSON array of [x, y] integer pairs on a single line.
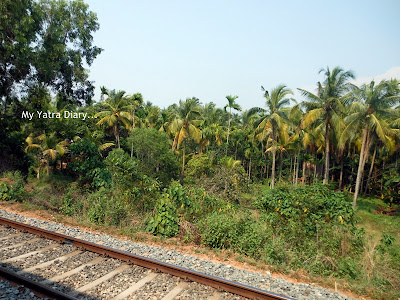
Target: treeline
[[342, 134]]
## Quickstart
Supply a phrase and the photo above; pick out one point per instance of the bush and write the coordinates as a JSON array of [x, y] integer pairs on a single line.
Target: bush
[[164, 220], [154, 154], [230, 230], [224, 178], [105, 209], [14, 188], [305, 207], [70, 204], [87, 164], [192, 202], [123, 168]]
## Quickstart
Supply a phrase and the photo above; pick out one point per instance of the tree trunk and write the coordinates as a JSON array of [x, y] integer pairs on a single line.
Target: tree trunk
[[280, 164], [183, 162], [250, 168], [297, 168], [273, 160], [326, 175], [360, 166], [116, 133], [341, 174], [291, 167], [229, 127], [304, 173], [133, 127], [370, 171]]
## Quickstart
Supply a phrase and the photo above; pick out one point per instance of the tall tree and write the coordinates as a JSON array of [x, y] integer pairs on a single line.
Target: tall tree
[[367, 114], [185, 125], [117, 111], [231, 104], [325, 106], [46, 43], [273, 119]]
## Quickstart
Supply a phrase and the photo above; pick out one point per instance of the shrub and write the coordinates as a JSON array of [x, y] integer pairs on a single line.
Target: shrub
[[87, 164], [305, 207], [154, 154], [71, 205], [123, 168], [164, 220], [14, 189], [237, 231], [105, 209]]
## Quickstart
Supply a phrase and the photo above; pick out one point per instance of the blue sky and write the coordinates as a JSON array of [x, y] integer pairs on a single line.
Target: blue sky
[[172, 50]]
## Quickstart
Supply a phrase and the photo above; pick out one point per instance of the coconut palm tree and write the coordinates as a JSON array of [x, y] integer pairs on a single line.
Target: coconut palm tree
[[48, 147], [367, 114], [103, 91], [231, 104], [134, 102], [117, 112], [273, 118], [186, 125], [325, 107]]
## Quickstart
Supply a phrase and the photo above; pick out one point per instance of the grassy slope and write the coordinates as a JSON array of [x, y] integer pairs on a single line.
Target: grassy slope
[[48, 193]]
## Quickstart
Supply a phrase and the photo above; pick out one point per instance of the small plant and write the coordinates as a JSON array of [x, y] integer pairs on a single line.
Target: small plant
[[164, 220], [14, 189], [5, 191], [105, 209]]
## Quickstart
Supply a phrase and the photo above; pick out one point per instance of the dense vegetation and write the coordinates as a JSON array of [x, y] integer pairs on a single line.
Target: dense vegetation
[[272, 184]]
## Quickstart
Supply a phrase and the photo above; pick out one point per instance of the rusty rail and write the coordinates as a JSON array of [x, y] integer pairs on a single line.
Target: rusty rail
[[216, 282]]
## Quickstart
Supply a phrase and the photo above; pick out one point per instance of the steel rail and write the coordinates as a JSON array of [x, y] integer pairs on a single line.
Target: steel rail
[[213, 281], [38, 289]]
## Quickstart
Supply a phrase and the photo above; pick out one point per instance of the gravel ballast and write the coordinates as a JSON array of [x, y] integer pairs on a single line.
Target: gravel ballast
[[264, 281], [7, 291]]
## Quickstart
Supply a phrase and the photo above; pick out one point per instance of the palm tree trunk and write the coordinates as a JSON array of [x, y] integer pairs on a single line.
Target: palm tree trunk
[[133, 127], [370, 171], [183, 162], [341, 173], [297, 168], [326, 175], [360, 166], [229, 127], [304, 172], [250, 168], [116, 133], [273, 159], [291, 166], [280, 164]]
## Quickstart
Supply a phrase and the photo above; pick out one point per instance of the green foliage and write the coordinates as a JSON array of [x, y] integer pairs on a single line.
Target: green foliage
[[123, 168], [192, 202], [391, 187], [164, 221], [87, 164], [154, 154], [70, 204], [222, 177], [47, 43], [177, 194], [105, 208], [15, 190], [235, 231], [199, 166], [305, 206], [5, 191]]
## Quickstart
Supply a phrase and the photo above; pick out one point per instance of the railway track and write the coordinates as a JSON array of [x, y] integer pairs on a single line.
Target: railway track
[[77, 269]]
